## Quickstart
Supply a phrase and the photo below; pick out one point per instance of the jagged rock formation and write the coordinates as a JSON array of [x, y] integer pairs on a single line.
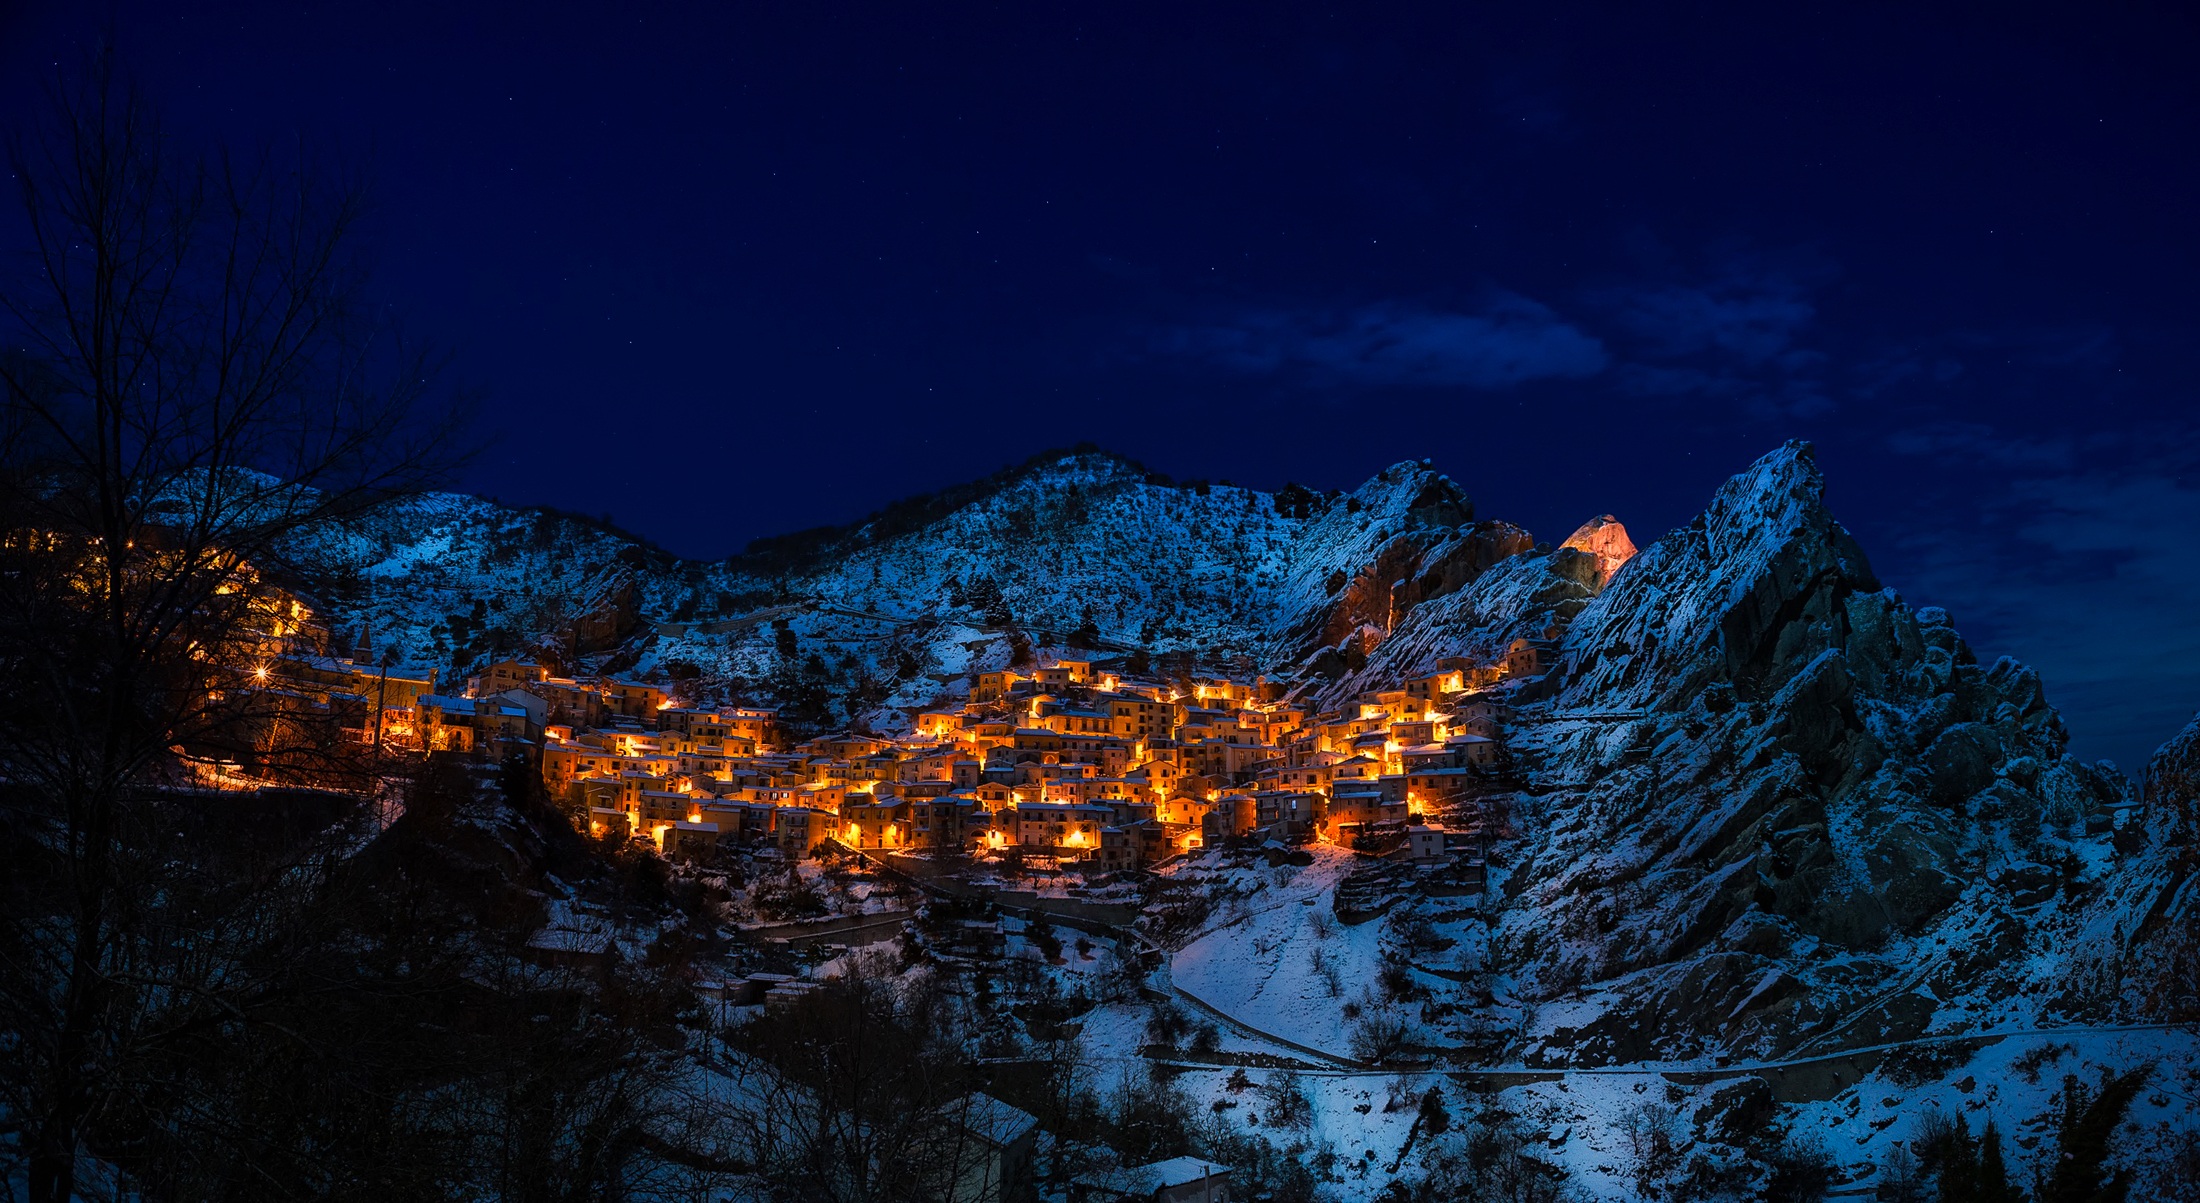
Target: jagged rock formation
[[1767, 806], [2155, 909], [1777, 805], [2173, 787]]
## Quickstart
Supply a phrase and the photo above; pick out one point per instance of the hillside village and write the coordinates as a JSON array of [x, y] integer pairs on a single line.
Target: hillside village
[[1073, 764], [1617, 813], [1069, 762]]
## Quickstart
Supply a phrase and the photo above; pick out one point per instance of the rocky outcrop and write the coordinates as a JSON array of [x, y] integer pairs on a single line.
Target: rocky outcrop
[[2173, 788], [1416, 566], [1775, 757], [1604, 538]]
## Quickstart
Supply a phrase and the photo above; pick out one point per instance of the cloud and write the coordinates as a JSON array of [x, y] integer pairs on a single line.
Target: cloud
[[1510, 341], [1981, 444], [1766, 399], [2082, 573], [1738, 334], [1752, 320], [2053, 358]]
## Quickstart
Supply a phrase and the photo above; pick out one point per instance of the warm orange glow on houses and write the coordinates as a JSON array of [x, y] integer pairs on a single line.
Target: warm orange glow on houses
[[1038, 762]]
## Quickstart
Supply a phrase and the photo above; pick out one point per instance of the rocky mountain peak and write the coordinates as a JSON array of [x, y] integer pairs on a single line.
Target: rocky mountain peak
[[1604, 538], [1758, 755], [1417, 493]]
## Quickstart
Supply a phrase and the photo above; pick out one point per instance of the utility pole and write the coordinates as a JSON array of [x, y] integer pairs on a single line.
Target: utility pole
[[381, 698]]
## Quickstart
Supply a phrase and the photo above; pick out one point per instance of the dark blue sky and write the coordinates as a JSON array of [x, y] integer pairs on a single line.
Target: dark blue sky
[[730, 270]]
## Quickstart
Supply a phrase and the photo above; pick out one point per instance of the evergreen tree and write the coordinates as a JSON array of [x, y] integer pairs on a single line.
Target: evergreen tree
[[1964, 1168], [2089, 1118], [1993, 1175]]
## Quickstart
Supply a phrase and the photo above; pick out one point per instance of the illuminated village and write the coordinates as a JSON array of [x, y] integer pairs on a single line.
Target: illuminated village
[[1068, 765], [1073, 765], [1301, 917]]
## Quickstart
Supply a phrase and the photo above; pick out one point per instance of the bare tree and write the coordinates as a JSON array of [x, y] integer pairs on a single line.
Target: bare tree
[[862, 1091], [193, 389]]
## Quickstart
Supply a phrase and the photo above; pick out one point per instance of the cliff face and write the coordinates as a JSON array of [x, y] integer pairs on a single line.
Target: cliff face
[[1604, 538], [2156, 922], [1773, 805], [2173, 787], [1766, 806]]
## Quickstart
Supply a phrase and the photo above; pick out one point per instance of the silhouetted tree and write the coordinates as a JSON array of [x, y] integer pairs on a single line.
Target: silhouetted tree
[[1964, 1168], [861, 1091], [191, 388]]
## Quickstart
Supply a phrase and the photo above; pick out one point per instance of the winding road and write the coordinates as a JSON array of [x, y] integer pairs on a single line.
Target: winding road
[[1327, 1064]]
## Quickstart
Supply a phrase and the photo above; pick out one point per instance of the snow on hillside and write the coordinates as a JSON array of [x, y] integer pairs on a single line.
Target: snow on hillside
[[1764, 812], [1079, 546], [1282, 963]]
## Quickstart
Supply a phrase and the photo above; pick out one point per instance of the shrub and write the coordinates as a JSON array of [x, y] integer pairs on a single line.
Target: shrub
[[1288, 1106], [1651, 1133], [1801, 1170], [1165, 1024], [1379, 1037], [1434, 1119]]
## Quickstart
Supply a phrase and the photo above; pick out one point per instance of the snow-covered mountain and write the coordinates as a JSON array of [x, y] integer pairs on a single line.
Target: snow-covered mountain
[[1766, 806], [1073, 545], [1772, 809]]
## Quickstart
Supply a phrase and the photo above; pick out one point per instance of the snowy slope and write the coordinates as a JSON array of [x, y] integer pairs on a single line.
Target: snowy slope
[[894, 608], [1771, 808], [1769, 805], [1766, 810]]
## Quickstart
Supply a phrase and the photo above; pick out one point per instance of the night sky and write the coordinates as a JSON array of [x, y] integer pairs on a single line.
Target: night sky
[[730, 270]]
